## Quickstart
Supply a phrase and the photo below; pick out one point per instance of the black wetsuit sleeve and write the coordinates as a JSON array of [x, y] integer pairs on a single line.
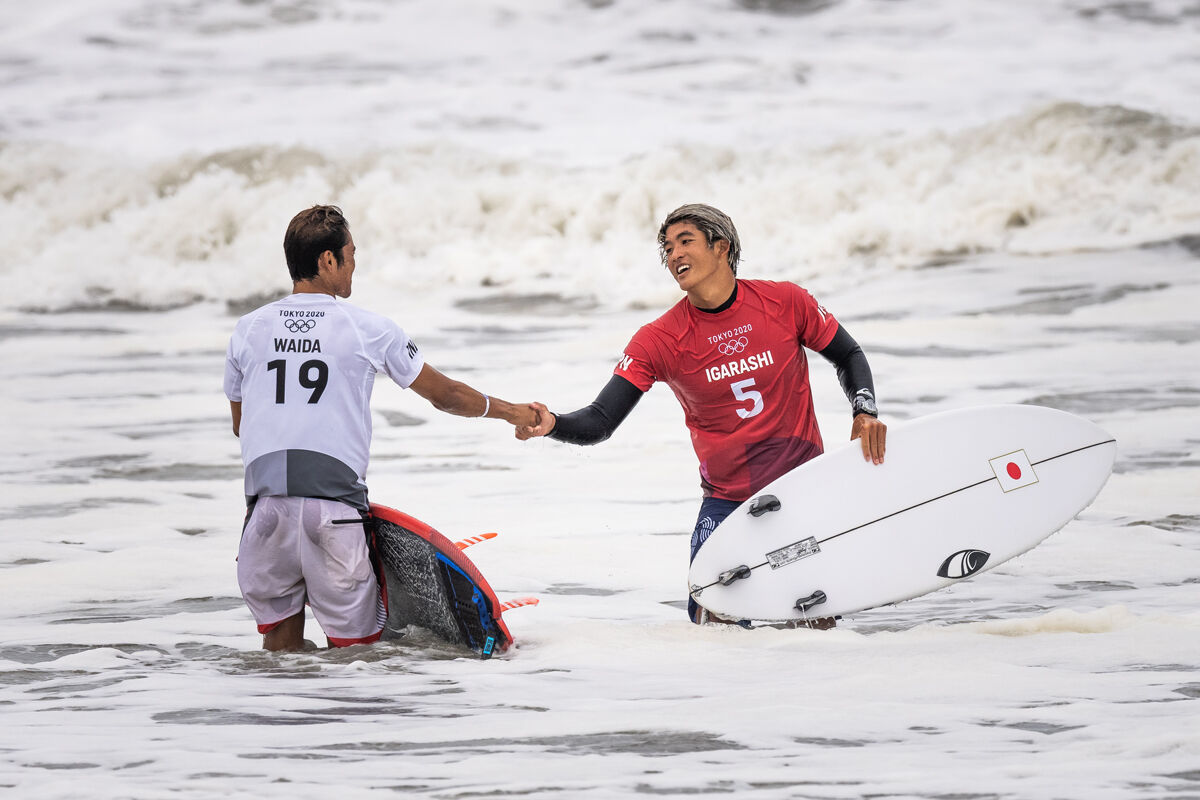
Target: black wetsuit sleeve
[[596, 422], [853, 371]]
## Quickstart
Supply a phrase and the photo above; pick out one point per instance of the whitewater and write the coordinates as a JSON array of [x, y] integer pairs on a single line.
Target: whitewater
[[1001, 202]]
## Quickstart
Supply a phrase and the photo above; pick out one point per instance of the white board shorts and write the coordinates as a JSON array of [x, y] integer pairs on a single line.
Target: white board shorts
[[292, 553]]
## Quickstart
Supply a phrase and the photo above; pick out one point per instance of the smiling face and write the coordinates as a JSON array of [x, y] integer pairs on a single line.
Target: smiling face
[[701, 269]]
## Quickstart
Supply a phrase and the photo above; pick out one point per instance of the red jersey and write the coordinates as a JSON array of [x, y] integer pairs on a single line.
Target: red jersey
[[741, 376]]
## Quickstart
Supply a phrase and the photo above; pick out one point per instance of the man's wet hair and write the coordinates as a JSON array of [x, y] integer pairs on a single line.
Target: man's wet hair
[[713, 223], [310, 233]]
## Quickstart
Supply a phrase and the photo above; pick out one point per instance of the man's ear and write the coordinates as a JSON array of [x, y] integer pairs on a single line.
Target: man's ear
[[326, 262]]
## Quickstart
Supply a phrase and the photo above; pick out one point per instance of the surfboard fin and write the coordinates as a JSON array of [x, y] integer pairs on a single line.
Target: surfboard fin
[[763, 504], [518, 603], [463, 544], [814, 599], [736, 574]]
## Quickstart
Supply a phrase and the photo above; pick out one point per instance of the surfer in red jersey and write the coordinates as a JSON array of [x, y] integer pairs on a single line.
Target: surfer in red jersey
[[732, 351]]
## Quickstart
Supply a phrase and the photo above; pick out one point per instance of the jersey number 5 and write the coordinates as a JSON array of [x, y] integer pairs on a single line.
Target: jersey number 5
[[307, 380], [743, 392]]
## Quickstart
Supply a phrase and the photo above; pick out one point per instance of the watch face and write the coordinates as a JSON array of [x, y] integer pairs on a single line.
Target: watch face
[[863, 404]]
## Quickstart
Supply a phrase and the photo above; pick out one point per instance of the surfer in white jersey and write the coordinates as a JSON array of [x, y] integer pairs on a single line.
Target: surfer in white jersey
[[298, 375]]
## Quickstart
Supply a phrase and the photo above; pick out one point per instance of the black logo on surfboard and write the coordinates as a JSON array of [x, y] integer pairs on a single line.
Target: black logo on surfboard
[[963, 563]]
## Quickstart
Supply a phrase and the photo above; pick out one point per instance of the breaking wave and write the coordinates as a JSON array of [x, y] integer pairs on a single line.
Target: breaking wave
[[85, 228]]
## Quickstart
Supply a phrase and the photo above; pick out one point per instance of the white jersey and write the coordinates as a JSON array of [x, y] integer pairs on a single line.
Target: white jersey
[[303, 368]]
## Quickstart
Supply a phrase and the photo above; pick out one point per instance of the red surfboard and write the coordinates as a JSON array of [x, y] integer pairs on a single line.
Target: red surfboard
[[431, 584]]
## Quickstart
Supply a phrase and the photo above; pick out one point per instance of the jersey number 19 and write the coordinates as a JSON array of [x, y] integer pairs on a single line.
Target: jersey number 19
[[316, 384]]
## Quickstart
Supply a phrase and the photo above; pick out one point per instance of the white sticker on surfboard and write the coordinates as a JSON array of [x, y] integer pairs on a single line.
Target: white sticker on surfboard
[[1013, 471], [793, 552]]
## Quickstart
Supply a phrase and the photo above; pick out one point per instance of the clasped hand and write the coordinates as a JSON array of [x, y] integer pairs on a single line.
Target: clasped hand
[[543, 425]]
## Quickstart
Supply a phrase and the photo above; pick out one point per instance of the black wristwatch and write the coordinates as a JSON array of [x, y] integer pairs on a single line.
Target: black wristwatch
[[864, 403]]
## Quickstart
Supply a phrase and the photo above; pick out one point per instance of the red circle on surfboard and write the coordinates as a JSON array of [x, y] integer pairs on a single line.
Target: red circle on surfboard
[[1014, 471]]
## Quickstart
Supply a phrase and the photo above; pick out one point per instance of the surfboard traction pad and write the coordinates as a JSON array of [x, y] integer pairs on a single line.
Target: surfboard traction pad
[[432, 585]]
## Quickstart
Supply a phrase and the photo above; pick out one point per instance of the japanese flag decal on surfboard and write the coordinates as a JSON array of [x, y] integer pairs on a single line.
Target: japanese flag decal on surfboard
[[958, 493]]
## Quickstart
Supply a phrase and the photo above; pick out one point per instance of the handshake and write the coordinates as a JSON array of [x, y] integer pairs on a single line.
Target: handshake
[[532, 420]]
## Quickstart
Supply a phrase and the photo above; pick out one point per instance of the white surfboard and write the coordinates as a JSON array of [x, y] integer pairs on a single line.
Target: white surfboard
[[958, 493]]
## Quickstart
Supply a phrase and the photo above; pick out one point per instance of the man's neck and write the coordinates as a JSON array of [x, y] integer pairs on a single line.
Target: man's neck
[[713, 294], [724, 306], [315, 286]]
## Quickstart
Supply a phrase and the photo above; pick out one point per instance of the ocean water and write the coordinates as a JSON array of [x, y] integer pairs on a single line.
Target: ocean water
[[1000, 201]]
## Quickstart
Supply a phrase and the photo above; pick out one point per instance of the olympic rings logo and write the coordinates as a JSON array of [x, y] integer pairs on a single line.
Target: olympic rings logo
[[733, 348], [300, 325]]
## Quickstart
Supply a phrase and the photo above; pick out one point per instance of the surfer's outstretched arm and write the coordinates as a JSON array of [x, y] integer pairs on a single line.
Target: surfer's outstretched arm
[[589, 425], [456, 397]]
